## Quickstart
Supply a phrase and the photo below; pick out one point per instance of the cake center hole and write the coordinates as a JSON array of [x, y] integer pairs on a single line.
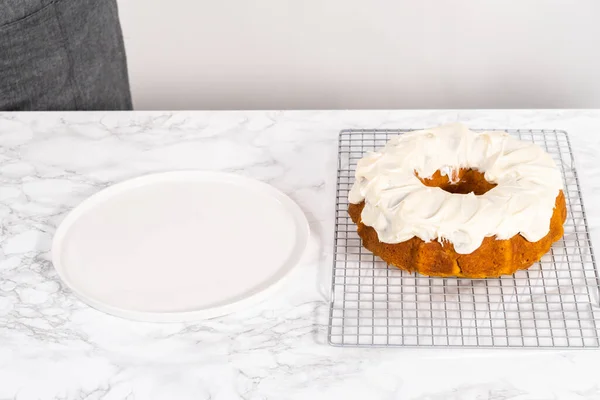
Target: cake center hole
[[465, 180]]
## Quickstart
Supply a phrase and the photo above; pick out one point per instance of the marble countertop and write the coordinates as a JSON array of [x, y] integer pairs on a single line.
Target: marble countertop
[[54, 346]]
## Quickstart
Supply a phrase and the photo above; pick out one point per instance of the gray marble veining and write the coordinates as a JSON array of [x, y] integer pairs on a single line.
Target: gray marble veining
[[53, 346]]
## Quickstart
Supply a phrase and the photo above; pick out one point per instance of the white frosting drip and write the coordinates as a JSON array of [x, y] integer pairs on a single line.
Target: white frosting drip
[[399, 206]]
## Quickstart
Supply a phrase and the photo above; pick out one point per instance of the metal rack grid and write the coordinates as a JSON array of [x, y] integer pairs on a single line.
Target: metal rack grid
[[552, 304]]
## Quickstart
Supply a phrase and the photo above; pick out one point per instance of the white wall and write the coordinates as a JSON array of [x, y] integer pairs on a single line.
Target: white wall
[[276, 54]]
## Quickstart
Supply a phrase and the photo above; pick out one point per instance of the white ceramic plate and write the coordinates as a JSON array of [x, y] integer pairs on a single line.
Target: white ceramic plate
[[179, 246]]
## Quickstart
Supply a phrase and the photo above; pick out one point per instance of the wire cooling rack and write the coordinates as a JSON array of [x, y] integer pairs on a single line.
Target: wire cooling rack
[[552, 304]]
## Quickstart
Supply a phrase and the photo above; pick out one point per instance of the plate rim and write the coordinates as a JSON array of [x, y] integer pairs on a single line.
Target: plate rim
[[269, 286]]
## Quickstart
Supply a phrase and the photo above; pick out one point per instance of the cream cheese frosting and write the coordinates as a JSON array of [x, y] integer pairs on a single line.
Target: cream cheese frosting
[[399, 206]]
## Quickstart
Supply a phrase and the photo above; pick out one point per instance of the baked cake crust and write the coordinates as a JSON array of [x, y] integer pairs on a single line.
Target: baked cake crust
[[493, 258]]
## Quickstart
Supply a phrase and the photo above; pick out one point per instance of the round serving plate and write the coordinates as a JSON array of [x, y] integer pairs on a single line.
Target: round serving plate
[[179, 246]]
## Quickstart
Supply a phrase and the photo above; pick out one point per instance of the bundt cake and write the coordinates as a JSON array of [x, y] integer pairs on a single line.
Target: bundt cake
[[449, 201]]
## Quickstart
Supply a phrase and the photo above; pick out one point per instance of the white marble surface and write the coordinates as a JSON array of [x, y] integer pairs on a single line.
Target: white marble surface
[[53, 346]]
